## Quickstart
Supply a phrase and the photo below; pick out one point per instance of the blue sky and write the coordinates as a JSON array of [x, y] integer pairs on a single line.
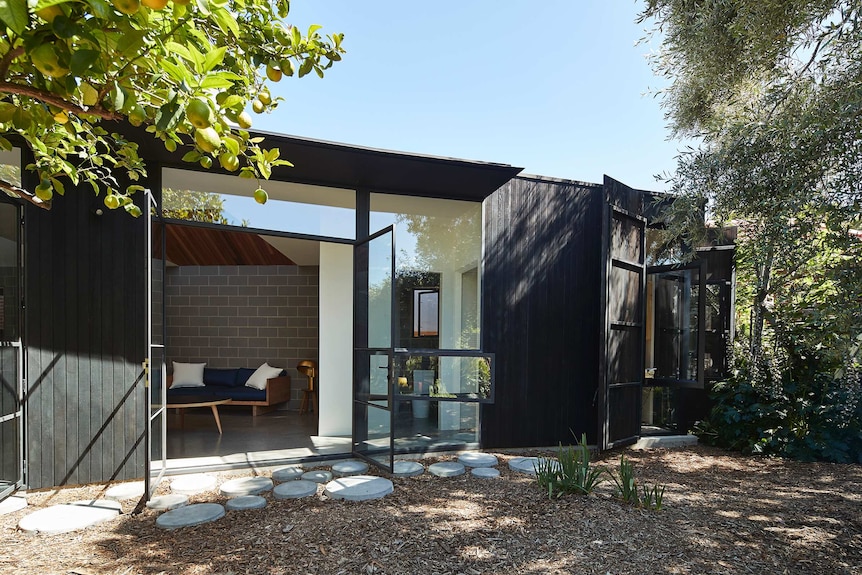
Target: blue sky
[[557, 87]]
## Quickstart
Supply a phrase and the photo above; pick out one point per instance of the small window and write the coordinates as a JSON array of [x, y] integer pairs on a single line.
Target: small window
[[426, 312]]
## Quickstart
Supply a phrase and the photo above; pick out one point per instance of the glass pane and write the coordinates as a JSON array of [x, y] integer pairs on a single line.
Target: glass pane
[[156, 441], [380, 291], [157, 377], [9, 456], [439, 247], [372, 434], [447, 377], [9, 273], [229, 200], [371, 378], [428, 424], [8, 380], [672, 317]]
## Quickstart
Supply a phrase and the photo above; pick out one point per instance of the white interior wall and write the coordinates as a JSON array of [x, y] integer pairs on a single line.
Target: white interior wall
[[336, 340]]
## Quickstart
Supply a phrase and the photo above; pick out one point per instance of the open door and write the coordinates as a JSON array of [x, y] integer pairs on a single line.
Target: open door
[[622, 350], [11, 351], [373, 347], [154, 365]]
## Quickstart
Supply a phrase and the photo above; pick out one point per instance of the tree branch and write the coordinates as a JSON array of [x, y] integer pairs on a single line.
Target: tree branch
[[49, 98], [7, 59], [24, 195]]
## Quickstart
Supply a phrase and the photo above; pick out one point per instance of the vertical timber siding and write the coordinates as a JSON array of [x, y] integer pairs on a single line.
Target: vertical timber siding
[[541, 298], [84, 332]]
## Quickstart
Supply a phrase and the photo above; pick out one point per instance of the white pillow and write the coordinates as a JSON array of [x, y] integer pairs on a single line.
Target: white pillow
[[188, 375], [261, 374]]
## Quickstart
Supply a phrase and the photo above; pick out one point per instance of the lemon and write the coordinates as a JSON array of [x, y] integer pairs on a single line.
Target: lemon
[[61, 117], [128, 7], [273, 73], [48, 13], [260, 196], [264, 98], [45, 58], [244, 120], [44, 191], [229, 162], [137, 116], [112, 202], [155, 4], [170, 145], [207, 139], [258, 107], [199, 114], [206, 162]]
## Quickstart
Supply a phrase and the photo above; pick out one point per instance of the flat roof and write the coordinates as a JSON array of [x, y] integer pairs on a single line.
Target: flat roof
[[340, 165]]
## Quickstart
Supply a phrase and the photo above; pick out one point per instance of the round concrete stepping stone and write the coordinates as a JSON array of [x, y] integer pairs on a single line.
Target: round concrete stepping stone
[[244, 502], [318, 476], [447, 469], [193, 484], [407, 469], [190, 515], [475, 459], [353, 467], [246, 486], [485, 472], [295, 489], [358, 488], [168, 502], [132, 490], [528, 464], [12, 504], [70, 517], [287, 473]]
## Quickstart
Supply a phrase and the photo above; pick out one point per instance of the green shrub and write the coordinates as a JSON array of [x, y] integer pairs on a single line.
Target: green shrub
[[570, 472], [627, 488]]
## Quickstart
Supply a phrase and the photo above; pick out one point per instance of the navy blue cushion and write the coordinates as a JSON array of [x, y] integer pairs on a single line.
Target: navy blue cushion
[[220, 377], [242, 375], [243, 393], [194, 391]]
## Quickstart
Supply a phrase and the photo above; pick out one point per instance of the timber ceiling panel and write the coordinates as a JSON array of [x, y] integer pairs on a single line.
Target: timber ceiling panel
[[196, 246]]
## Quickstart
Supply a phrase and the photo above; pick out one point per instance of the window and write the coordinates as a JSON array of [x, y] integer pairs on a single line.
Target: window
[[426, 312]]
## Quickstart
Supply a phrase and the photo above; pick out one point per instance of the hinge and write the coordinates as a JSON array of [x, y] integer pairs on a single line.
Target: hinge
[[146, 365]]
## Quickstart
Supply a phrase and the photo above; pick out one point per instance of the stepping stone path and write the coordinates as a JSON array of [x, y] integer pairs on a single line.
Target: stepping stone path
[[287, 474], [485, 472], [168, 502], [189, 515], [12, 504], [132, 490], [447, 469], [193, 484], [352, 467], [246, 486], [70, 517], [474, 459], [407, 469], [318, 476], [528, 464], [295, 489], [244, 502], [359, 488]]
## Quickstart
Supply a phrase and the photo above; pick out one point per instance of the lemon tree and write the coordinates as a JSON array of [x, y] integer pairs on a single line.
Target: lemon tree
[[189, 72]]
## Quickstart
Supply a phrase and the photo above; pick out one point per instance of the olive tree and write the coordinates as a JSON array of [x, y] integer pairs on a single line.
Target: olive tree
[[189, 72]]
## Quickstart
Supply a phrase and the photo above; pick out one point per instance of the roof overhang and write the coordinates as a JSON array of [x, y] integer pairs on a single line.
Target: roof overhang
[[318, 162]]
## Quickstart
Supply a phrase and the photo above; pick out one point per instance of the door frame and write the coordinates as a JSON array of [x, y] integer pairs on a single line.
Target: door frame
[[155, 370]]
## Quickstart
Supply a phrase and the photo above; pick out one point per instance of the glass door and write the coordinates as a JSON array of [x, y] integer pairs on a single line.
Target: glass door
[[373, 337], [154, 364], [11, 352]]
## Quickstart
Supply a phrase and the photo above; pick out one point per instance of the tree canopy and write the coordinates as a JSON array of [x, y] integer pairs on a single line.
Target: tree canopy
[[772, 89], [187, 71]]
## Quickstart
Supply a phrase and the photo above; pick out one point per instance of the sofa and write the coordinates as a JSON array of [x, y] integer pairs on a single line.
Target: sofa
[[232, 383]]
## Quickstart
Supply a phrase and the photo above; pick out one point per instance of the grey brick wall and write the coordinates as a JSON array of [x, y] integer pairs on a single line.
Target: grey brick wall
[[242, 316]]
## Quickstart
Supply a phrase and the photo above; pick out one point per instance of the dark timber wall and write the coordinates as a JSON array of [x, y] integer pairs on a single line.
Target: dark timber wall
[[541, 311], [84, 332]]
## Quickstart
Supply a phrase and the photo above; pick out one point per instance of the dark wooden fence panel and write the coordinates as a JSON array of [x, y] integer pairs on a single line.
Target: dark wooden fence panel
[[85, 282], [540, 315]]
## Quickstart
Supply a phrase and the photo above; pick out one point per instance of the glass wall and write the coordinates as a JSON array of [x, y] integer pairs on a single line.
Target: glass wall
[[438, 245], [229, 200]]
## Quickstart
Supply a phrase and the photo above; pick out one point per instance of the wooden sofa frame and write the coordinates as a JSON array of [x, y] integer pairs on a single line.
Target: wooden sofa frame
[[277, 391]]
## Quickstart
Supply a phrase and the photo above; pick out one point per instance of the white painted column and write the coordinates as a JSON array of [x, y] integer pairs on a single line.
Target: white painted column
[[335, 383]]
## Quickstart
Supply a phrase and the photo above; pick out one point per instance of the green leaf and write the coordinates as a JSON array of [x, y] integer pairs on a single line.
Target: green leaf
[[226, 22], [175, 71], [63, 27], [231, 145], [101, 9], [213, 58], [216, 81], [296, 35], [14, 14], [232, 101], [169, 116], [180, 49], [306, 66], [58, 186], [312, 29], [5, 144], [131, 42], [82, 60]]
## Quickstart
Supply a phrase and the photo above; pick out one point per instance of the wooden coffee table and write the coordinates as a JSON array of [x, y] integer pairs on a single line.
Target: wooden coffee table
[[183, 402]]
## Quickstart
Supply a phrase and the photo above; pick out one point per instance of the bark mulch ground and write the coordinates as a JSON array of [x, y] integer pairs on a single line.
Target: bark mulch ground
[[724, 513]]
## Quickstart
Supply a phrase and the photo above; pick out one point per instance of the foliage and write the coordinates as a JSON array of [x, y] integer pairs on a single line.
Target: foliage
[[186, 71], [774, 92], [627, 488], [570, 472]]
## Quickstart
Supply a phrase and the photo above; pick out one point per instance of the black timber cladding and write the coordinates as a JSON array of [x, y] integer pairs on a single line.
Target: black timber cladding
[[541, 316], [84, 332]]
